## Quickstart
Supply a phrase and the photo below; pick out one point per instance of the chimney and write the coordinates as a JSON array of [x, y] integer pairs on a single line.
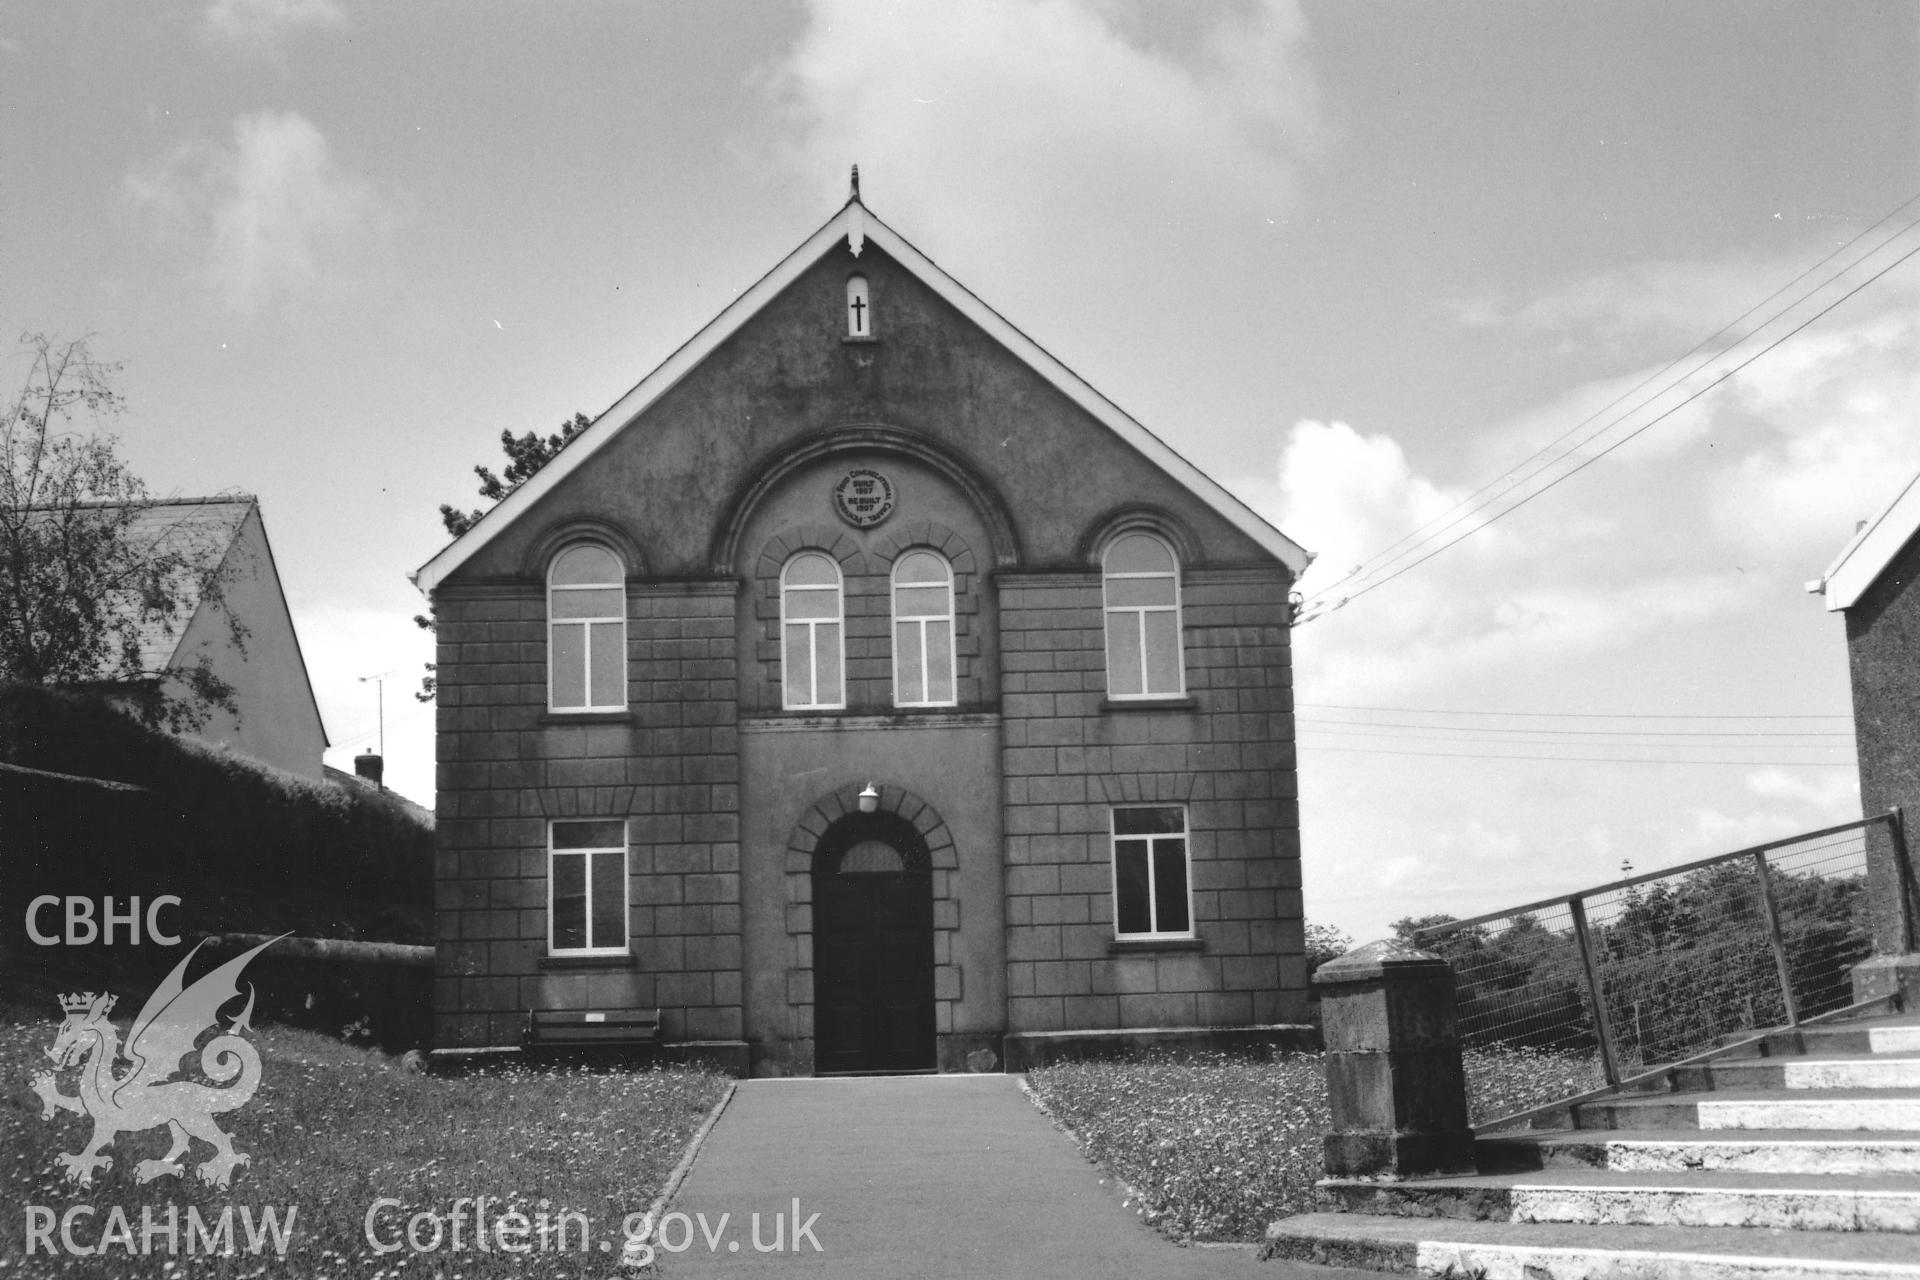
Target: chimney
[[369, 765]]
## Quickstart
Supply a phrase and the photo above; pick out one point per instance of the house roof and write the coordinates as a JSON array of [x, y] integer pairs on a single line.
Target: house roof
[[204, 531], [857, 225], [1873, 548], [354, 782], [200, 529]]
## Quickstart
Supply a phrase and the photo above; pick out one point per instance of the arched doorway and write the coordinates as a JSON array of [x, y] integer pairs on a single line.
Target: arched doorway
[[873, 946]]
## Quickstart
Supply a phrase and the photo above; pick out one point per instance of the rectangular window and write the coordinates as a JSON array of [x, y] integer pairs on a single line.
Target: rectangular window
[[587, 887], [1150, 897], [588, 650]]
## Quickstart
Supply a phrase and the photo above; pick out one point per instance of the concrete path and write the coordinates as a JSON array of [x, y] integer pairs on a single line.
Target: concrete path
[[916, 1176]]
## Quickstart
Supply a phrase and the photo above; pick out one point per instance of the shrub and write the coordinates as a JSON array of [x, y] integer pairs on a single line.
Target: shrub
[[234, 820]]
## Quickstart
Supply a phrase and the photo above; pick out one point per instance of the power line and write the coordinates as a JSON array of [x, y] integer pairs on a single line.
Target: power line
[[1662, 416], [1468, 505], [401, 718], [1450, 737], [1318, 606], [1570, 715], [1337, 725], [1469, 755]]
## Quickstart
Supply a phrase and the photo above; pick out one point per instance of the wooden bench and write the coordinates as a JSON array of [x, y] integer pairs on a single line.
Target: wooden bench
[[593, 1028]]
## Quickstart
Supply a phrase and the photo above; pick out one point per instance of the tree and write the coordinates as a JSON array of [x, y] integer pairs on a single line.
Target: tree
[[83, 579], [1407, 926], [1324, 943], [526, 454]]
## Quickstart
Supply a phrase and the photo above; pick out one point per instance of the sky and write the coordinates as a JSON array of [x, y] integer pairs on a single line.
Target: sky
[[1360, 261]]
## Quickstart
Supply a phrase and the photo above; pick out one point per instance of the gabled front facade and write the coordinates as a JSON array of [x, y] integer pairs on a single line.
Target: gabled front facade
[[861, 689]]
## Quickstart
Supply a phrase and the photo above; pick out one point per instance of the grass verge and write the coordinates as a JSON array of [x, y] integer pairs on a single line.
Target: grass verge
[[1216, 1147], [332, 1130]]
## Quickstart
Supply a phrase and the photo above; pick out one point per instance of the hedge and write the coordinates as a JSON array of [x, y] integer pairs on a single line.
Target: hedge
[[238, 822]]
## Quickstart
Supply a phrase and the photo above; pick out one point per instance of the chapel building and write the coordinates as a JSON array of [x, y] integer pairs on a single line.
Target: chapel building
[[866, 692]]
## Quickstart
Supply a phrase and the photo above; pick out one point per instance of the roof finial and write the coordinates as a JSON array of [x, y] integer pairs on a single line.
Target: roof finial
[[856, 183]]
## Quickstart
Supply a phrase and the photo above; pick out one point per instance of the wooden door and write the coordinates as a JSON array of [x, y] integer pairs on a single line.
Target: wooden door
[[872, 948]]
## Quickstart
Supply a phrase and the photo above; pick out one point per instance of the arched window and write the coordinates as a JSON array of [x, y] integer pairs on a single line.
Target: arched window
[[1143, 619], [586, 630], [811, 626], [872, 857], [859, 308], [923, 669]]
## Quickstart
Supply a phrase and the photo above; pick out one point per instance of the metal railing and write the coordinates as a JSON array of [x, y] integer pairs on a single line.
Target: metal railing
[[1656, 968]]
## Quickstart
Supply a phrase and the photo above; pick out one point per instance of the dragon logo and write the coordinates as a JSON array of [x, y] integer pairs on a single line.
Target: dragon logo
[[148, 1095]]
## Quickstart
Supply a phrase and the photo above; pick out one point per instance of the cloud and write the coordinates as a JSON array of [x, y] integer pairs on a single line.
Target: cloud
[[1707, 513], [1836, 795], [271, 216], [1006, 121], [1707, 831], [262, 28], [1663, 300], [1662, 581], [1832, 425], [1349, 494], [1561, 583], [1664, 307]]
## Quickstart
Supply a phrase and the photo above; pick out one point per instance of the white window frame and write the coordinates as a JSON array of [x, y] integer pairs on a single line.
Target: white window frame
[[586, 624], [919, 622], [1154, 853], [811, 625], [626, 890], [1140, 612]]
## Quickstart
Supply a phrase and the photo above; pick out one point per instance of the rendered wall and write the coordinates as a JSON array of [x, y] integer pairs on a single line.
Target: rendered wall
[[278, 722], [672, 479]]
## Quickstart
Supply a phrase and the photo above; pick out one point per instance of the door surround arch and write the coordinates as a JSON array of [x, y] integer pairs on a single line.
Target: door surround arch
[[803, 844]]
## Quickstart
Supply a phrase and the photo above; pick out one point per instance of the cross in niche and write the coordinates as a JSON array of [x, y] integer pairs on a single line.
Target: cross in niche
[[859, 306]]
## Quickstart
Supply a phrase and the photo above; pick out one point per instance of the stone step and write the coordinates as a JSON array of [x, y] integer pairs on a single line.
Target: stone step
[[1897, 1034], [1894, 1039], [1840, 1153], [1600, 1197], [1894, 1110], [1801, 1073], [1549, 1251]]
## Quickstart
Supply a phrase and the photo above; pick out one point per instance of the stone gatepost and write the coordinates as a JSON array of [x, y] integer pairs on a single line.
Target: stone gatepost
[[1394, 1076], [1893, 903]]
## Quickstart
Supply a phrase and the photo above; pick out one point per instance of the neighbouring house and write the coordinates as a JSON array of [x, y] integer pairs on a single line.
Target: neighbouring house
[[368, 777], [866, 691], [276, 719], [1872, 584]]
